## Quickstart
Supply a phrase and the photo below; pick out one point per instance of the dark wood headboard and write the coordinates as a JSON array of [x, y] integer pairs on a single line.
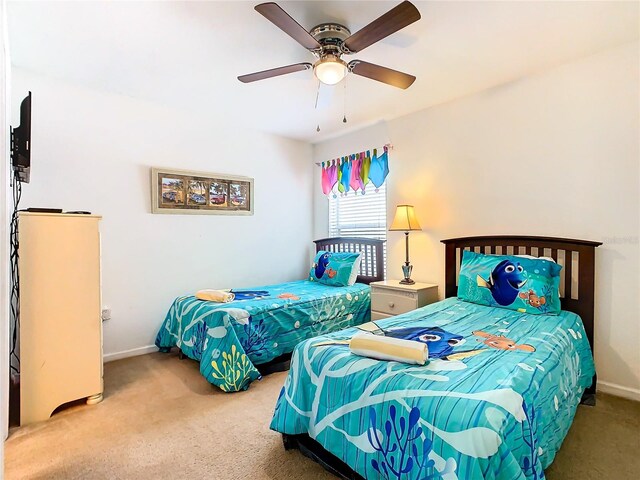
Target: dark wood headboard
[[372, 265], [577, 288]]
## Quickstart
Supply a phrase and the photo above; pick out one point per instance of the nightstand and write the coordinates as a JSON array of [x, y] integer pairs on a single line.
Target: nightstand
[[390, 297]]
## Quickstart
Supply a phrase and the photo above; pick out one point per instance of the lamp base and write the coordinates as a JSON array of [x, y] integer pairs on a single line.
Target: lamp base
[[406, 270]]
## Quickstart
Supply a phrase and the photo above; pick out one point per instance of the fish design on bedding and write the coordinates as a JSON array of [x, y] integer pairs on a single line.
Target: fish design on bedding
[[440, 343], [250, 294], [321, 266], [505, 282], [288, 296], [532, 299], [500, 342]]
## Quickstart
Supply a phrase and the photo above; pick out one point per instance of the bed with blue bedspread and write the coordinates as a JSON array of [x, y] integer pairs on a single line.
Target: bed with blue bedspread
[[260, 328], [478, 411], [497, 396], [231, 339]]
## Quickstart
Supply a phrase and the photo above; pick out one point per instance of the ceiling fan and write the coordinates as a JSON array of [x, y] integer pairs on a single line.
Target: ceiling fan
[[329, 41]]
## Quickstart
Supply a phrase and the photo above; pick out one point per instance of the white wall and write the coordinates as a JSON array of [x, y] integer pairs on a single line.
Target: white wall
[[93, 151], [555, 154]]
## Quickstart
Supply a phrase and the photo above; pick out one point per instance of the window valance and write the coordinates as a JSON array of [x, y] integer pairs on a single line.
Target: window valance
[[355, 172]]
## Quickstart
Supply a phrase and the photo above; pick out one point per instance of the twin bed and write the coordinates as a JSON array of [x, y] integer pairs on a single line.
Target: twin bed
[[237, 342], [496, 404]]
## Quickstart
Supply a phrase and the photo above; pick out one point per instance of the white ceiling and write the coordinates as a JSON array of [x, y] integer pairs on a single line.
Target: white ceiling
[[188, 54]]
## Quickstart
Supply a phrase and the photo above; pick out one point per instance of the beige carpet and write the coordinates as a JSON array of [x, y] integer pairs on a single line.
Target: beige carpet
[[161, 419]]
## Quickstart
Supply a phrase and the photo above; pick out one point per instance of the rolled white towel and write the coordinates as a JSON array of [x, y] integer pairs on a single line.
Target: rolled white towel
[[219, 296], [388, 348]]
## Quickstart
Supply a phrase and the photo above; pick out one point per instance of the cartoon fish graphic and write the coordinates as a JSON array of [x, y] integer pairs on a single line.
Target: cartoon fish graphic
[[500, 342], [331, 272], [440, 343], [505, 281], [250, 294], [289, 296], [322, 265], [532, 299]]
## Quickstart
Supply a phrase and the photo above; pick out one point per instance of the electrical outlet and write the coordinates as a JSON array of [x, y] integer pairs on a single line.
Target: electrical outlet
[[106, 314]]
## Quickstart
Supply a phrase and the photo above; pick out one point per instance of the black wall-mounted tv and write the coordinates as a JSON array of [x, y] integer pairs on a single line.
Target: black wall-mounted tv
[[21, 143]]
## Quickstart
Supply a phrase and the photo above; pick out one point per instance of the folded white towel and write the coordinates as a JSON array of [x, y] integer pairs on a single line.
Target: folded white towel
[[219, 296], [388, 348]]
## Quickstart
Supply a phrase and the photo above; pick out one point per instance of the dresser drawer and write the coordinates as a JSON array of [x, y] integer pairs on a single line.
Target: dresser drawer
[[393, 303]]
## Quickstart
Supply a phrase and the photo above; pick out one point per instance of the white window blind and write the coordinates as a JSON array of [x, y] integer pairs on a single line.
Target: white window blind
[[357, 215]]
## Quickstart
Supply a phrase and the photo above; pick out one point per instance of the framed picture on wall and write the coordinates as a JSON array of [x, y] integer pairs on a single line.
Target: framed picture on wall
[[188, 192]]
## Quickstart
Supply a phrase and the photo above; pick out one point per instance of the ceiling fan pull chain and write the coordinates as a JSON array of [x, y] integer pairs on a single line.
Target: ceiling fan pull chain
[[344, 110], [316, 105], [317, 96]]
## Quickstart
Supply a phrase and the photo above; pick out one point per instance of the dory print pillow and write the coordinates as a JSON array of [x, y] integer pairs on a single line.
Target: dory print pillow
[[336, 269], [528, 285]]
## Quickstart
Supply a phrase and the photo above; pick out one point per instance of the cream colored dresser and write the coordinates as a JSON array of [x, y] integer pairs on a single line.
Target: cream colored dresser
[[390, 297], [60, 324]]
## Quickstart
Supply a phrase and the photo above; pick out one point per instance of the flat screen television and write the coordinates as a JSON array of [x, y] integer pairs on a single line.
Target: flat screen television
[[21, 143]]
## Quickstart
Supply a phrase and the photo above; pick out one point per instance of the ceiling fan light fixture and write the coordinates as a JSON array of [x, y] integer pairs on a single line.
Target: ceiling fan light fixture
[[329, 41], [330, 69]]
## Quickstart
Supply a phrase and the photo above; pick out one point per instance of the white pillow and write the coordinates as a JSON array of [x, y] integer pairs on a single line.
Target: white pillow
[[355, 270]]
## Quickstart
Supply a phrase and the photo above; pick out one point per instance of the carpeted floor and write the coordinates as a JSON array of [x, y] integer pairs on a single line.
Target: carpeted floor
[[160, 419]]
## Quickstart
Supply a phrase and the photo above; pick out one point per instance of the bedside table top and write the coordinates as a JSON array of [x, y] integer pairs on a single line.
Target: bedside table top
[[396, 285]]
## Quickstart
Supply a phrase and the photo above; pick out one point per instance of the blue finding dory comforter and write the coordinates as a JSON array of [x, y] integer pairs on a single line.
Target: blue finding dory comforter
[[229, 339], [495, 400]]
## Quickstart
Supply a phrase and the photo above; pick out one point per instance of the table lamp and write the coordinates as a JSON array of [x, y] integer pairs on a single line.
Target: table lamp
[[405, 221]]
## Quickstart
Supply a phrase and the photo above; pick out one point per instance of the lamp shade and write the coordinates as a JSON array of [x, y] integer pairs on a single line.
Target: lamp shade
[[405, 219]]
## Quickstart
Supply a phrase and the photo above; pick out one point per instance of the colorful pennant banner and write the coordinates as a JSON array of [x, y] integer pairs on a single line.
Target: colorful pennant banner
[[354, 172]]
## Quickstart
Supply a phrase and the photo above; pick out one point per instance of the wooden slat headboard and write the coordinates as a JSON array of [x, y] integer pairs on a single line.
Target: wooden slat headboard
[[372, 265], [577, 257]]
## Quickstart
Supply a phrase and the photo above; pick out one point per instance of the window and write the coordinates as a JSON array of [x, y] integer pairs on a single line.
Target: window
[[357, 215]]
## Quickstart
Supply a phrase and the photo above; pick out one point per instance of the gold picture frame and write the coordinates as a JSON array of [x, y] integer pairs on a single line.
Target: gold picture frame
[[189, 192]]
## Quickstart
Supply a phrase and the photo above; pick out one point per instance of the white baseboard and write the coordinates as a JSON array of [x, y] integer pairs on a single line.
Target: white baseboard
[[134, 352], [619, 390], [604, 387]]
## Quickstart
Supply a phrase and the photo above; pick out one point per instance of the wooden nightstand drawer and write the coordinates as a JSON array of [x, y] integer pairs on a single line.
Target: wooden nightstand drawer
[[390, 297], [379, 316], [392, 303]]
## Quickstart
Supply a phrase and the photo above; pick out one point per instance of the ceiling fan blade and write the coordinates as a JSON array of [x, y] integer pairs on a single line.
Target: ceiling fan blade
[[381, 74], [281, 19], [395, 19], [274, 72]]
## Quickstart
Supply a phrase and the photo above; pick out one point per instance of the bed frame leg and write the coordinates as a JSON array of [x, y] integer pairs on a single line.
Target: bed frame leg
[[589, 395], [313, 450], [288, 442], [181, 355], [588, 399]]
